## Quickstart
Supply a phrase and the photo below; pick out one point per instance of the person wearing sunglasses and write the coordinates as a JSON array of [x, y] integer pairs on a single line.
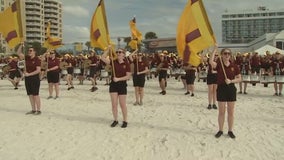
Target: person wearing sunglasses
[[140, 69], [118, 85], [53, 71], [32, 78], [228, 74]]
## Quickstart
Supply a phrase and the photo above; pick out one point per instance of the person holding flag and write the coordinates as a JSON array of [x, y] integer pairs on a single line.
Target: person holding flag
[[118, 85]]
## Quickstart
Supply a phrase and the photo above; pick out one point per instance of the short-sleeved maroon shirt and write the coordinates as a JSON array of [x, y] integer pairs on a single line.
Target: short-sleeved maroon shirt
[[231, 71], [32, 63], [121, 68], [52, 63]]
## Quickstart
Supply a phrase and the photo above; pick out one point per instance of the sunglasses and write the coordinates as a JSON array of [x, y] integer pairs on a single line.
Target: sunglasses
[[30, 50], [118, 52], [226, 53]]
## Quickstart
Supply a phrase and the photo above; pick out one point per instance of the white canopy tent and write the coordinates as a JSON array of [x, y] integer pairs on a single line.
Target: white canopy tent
[[271, 49]]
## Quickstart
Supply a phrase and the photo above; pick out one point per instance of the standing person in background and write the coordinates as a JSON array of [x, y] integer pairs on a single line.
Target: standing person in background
[[228, 74], [189, 78], [53, 74], [277, 68], [245, 71], [212, 85], [94, 68], [162, 69], [118, 85], [70, 71], [14, 73], [32, 78], [139, 75]]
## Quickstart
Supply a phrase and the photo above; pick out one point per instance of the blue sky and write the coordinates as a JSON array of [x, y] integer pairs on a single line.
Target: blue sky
[[159, 16]]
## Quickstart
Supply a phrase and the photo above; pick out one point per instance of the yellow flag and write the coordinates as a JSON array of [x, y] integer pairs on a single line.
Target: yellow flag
[[11, 24], [136, 35], [194, 32], [51, 42], [99, 36]]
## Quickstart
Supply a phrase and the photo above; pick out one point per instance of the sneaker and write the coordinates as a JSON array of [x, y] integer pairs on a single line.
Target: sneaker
[[240, 92], [72, 87], [124, 124], [114, 123], [69, 88], [31, 112], [37, 113], [231, 134], [186, 93], [135, 103], [163, 92], [15, 88], [218, 134], [94, 89], [214, 106], [209, 106], [245, 93], [192, 95], [49, 97], [56, 97], [275, 94], [279, 94]]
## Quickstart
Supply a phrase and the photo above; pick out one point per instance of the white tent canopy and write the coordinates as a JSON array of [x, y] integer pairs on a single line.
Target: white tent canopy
[[271, 49]]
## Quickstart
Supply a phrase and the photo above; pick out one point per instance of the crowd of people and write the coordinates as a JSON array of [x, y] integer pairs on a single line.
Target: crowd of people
[[221, 71]]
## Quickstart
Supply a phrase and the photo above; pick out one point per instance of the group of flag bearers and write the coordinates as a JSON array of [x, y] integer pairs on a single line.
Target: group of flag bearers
[[194, 34]]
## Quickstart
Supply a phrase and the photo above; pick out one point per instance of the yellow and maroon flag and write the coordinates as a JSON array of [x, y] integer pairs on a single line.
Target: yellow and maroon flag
[[136, 35], [194, 32], [99, 36], [51, 42], [11, 26]]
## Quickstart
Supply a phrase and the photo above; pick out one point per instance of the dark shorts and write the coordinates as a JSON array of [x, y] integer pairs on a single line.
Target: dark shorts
[[93, 71], [162, 75], [32, 84], [70, 70], [189, 79], [211, 79], [226, 93], [118, 87], [139, 80], [52, 77], [14, 74]]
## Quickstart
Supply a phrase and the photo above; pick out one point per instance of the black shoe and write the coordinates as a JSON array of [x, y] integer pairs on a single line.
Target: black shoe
[[209, 106], [186, 93], [245, 93], [72, 87], [94, 89], [69, 88], [114, 123], [231, 134], [214, 106], [240, 92], [163, 92], [192, 95], [124, 124], [15, 88], [218, 134], [31, 112], [37, 113]]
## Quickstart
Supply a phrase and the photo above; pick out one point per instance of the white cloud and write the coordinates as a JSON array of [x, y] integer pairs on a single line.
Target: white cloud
[[76, 11], [75, 33]]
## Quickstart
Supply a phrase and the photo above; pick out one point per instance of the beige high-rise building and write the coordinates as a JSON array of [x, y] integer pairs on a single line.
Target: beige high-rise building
[[37, 14]]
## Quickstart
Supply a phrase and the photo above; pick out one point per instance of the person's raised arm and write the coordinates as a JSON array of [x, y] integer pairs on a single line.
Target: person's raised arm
[[212, 56], [104, 57], [20, 51]]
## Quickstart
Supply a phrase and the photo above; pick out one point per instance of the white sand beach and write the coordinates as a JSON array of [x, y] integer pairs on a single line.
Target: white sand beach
[[167, 127]]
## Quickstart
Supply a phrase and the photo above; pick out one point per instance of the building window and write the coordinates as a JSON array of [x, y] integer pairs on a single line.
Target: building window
[[280, 45]]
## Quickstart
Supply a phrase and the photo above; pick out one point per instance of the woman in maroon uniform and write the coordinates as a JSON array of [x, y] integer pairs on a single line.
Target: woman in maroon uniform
[[53, 75], [162, 69], [118, 84], [189, 78], [212, 85], [94, 68], [14, 73], [32, 78], [226, 89], [139, 76]]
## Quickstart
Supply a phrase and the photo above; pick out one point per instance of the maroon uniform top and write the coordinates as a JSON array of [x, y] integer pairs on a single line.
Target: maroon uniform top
[[231, 71], [121, 68], [141, 65], [13, 65], [94, 59], [32, 63], [255, 61], [277, 65], [52, 63]]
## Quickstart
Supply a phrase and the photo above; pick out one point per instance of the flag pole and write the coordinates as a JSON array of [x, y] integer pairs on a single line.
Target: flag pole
[[222, 64], [111, 56]]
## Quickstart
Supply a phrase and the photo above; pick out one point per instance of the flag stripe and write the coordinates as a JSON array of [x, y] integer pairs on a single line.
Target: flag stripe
[[97, 34], [193, 1], [11, 35], [192, 35], [186, 54], [55, 43]]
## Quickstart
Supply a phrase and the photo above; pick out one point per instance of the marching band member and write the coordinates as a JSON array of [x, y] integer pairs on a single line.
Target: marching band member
[[244, 66], [94, 68], [212, 85], [162, 69], [14, 73], [70, 71], [32, 79], [277, 67], [140, 70], [53, 71], [189, 78], [228, 74], [118, 85]]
